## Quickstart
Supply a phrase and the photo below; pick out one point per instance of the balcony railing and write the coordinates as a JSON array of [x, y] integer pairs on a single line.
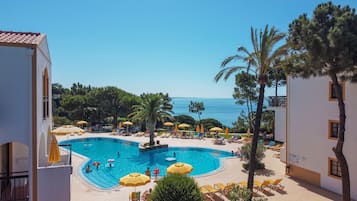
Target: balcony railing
[[68, 148], [277, 101], [14, 186]]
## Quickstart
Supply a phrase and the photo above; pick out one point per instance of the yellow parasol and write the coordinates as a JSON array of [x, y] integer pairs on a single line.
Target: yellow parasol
[[134, 179], [67, 129], [54, 156], [179, 168], [120, 125], [216, 129], [127, 123], [198, 128], [82, 122], [168, 124], [176, 128], [184, 125], [226, 131], [248, 132]]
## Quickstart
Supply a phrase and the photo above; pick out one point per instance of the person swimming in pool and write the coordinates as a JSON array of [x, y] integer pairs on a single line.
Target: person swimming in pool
[[148, 172], [88, 170]]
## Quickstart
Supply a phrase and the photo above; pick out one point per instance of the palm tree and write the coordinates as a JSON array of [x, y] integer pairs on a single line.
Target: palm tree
[[151, 109], [260, 62]]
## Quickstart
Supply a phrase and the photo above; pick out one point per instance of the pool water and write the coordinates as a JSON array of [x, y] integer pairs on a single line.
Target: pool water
[[130, 159]]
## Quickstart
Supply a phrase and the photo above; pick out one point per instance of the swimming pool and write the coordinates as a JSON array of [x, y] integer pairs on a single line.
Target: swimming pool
[[130, 159]]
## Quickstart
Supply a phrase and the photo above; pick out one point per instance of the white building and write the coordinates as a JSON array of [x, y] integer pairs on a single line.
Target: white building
[[25, 122], [278, 105], [312, 125]]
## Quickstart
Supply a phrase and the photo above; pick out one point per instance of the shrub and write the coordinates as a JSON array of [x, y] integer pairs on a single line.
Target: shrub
[[185, 119], [242, 194], [245, 152], [176, 188]]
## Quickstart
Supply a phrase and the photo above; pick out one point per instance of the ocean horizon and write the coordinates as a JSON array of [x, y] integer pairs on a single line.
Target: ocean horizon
[[224, 110]]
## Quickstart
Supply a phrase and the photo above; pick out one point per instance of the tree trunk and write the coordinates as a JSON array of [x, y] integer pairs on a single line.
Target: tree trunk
[[252, 161], [276, 93], [338, 149], [251, 115], [115, 121], [152, 126], [248, 117]]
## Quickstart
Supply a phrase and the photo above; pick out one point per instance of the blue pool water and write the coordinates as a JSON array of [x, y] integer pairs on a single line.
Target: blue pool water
[[132, 160]]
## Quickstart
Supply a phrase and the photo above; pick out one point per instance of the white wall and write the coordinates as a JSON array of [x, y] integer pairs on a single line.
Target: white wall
[[54, 183], [15, 90], [42, 125], [280, 124], [308, 113]]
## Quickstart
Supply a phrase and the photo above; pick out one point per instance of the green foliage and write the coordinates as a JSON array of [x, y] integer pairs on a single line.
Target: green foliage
[[152, 108], [268, 121], [246, 151], [59, 121], [210, 123], [243, 194], [196, 107], [176, 188], [75, 106], [245, 92], [185, 119], [91, 104], [79, 89], [325, 43], [241, 125]]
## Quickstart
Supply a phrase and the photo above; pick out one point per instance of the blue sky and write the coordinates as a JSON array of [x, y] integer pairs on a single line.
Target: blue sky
[[173, 46]]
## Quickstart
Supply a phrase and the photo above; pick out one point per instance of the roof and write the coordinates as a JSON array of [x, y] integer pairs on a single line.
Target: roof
[[20, 38]]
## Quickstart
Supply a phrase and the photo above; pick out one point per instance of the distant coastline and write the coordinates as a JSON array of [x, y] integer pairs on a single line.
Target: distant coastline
[[224, 110]]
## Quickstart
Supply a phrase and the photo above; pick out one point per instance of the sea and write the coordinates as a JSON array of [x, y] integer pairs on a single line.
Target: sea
[[224, 110]]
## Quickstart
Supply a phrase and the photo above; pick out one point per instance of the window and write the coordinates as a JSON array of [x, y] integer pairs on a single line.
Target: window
[[332, 92], [333, 129], [334, 168], [45, 95]]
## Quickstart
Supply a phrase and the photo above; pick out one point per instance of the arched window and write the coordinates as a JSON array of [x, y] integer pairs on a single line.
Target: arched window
[[45, 94]]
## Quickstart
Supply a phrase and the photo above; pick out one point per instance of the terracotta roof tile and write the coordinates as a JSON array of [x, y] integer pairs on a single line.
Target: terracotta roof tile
[[19, 37]]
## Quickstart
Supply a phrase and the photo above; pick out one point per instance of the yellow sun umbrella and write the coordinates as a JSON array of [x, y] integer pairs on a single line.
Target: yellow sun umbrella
[[226, 131], [248, 132], [67, 129], [120, 125], [127, 123], [176, 128], [168, 124], [184, 125], [54, 156], [82, 122], [216, 129], [198, 128], [134, 179], [179, 168]]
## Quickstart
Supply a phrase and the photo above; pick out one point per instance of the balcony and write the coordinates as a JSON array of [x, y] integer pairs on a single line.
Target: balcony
[[54, 179], [277, 101], [14, 186]]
